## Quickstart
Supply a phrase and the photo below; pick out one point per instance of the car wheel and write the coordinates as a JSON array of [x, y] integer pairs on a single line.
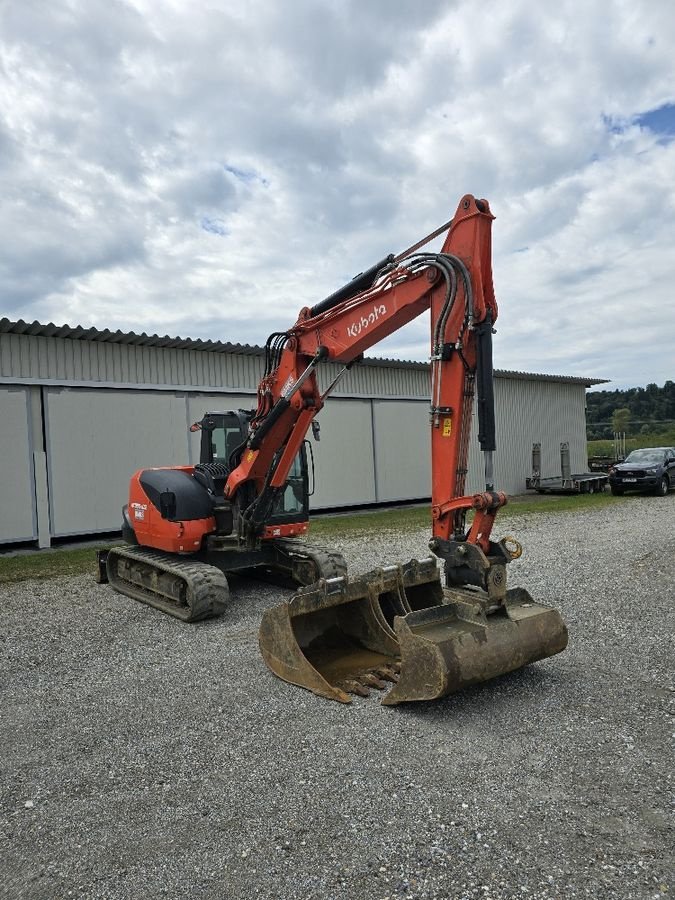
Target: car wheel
[[662, 486], [616, 491]]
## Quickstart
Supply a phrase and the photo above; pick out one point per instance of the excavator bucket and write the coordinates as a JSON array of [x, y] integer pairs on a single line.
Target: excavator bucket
[[399, 627], [449, 647], [337, 637]]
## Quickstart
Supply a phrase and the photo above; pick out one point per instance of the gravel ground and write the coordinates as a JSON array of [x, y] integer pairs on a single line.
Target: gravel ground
[[145, 758]]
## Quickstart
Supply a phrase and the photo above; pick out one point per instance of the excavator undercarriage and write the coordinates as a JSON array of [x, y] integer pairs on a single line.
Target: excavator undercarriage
[[190, 588]]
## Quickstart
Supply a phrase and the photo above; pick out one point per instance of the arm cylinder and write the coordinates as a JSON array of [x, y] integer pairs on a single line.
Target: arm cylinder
[[268, 422], [485, 384]]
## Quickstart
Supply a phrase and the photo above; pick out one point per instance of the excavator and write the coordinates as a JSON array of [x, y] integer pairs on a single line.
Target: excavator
[[419, 631]]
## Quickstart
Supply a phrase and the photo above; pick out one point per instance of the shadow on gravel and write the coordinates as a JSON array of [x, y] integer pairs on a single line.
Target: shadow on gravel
[[519, 686]]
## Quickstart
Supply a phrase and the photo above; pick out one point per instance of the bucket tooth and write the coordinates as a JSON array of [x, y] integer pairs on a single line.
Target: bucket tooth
[[354, 687], [386, 673], [447, 648], [371, 680]]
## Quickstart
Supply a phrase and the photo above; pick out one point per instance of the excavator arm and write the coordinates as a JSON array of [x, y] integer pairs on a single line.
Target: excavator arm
[[455, 285]]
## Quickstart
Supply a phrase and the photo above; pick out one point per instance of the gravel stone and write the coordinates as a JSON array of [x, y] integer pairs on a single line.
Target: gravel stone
[[165, 760]]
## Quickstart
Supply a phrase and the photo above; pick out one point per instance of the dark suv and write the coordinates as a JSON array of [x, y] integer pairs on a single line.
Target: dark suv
[[650, 469]]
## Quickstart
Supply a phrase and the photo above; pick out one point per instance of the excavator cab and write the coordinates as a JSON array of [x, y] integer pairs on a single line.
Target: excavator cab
[[223, 437]]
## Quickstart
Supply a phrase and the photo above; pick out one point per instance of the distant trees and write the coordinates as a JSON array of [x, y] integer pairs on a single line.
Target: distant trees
[[621, 420], [636, 410]]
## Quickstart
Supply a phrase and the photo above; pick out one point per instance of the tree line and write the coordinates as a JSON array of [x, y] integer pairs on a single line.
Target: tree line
[[639, 410]]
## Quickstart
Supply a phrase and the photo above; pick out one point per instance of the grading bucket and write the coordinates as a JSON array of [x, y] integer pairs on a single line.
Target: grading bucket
[[398, 625], [449, 647]]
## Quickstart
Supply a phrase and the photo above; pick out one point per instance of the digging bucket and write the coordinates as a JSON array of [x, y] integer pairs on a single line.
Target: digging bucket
[[399, 625], [337, 637], [446, 648]]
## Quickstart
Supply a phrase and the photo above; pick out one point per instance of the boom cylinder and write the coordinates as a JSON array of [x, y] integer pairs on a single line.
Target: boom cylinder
[[352, 288]]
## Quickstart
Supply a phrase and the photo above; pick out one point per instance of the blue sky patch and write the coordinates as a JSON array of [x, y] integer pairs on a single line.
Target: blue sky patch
[[614, 126], [214, 226], [660, 120], [246, 175]]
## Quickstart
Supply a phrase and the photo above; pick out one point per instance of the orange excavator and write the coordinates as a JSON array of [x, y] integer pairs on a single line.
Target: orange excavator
[[245, 504]]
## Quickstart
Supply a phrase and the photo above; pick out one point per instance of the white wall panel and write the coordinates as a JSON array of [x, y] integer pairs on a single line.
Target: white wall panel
[[373, 449], [402, 449], [343, 458], [17, 494], [96, 440]]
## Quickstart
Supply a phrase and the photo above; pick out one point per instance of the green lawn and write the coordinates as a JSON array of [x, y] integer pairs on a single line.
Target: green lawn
[[47, 564], [420, 516], [664, 438], [50, 563]]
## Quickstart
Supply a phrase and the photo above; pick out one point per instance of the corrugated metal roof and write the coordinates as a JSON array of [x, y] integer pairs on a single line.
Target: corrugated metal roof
[[539, 376], [79, 333]]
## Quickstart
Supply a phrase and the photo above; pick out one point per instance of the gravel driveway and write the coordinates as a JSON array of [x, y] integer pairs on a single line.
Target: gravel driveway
[[145, 758]]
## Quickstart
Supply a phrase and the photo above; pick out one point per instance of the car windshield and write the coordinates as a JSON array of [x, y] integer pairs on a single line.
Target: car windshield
[[653, 457]]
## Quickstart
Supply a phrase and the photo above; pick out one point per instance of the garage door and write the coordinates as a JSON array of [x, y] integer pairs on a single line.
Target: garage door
[[96, 440]]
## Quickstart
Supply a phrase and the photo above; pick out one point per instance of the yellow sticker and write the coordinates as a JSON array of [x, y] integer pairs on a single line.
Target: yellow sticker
[[250, 455], [447, 427]]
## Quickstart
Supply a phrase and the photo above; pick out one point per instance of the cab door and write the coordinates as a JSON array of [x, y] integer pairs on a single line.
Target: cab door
[[292, 503]]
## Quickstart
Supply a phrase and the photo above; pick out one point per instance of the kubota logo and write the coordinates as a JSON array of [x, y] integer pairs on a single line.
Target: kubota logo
[[355, 329]]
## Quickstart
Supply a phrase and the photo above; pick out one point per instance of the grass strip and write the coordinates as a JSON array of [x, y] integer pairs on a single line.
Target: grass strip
[[45, 564]]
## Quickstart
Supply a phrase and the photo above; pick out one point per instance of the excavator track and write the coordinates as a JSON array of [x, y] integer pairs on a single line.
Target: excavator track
[[311, 563], [187, 590]]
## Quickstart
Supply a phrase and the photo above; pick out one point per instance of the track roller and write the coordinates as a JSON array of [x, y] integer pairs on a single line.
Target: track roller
[[189, 591]]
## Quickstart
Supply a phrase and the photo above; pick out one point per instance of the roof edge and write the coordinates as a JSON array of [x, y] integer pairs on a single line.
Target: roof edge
[[80, 333]]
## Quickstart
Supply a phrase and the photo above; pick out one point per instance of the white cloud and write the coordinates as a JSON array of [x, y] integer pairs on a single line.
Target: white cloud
[[208, 171]]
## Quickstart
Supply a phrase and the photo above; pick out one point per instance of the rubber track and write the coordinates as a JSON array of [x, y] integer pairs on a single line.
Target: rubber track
[[207, 588], [329, 563]]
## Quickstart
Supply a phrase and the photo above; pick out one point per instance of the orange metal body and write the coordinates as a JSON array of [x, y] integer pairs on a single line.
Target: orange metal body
[[285, 531], [153, 531]]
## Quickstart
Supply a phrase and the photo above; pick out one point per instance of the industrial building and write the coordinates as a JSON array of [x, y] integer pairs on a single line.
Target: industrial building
[[82, 409]]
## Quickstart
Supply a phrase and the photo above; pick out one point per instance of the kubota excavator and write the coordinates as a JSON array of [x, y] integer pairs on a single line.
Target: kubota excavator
[[245, 503]]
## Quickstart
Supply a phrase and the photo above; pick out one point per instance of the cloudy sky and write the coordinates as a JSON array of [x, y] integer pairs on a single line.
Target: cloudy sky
[[206, 170]]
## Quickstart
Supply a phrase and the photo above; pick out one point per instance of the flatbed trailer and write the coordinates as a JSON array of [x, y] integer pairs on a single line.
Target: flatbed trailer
[[585, 483], [566, 483], [603, 463]]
